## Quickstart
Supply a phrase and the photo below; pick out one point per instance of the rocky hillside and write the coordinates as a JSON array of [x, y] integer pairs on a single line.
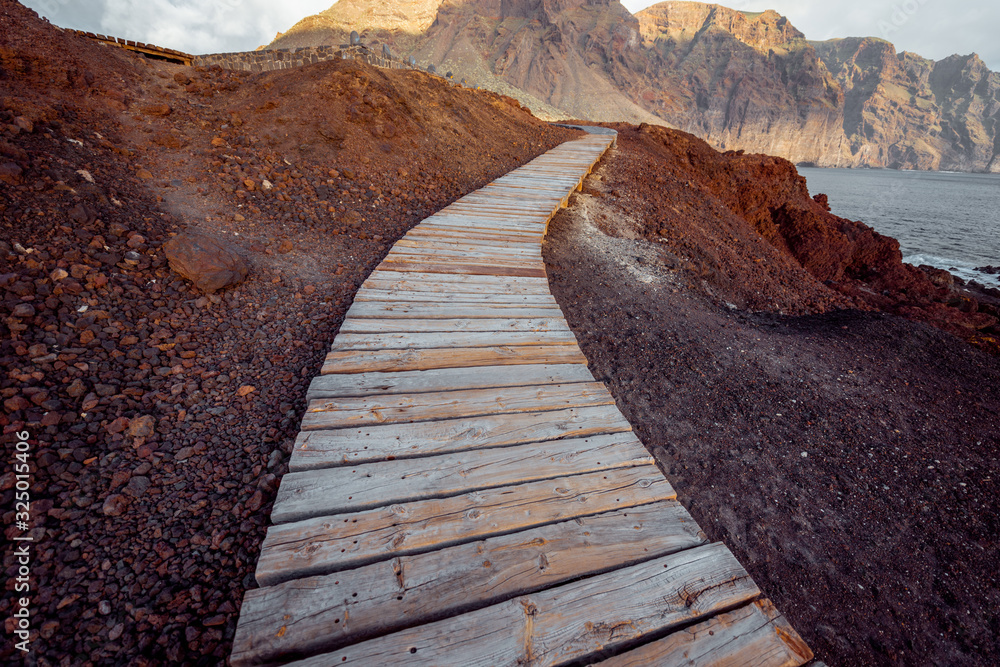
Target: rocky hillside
[[740, 80]]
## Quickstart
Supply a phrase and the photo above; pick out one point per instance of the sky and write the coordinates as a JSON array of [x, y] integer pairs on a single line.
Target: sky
[[933, 28]]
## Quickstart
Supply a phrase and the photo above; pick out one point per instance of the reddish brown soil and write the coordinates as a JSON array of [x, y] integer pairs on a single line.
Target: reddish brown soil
[[849, 458], [161, 418]]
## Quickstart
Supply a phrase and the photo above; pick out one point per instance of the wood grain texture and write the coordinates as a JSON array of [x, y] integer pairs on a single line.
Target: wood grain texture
[[400, 325], [461, 339], [312, 493], [414, 280], [421, 240], [422, 360], [531, 251], [438, 405], [330, 544], [315, 614], [752, 636], [467, 268], [367, 310], [445, 379], [570, 622], [446, 297], [323, 449]]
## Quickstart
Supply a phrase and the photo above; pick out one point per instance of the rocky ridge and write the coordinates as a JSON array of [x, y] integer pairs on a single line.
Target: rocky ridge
[[740, 80]]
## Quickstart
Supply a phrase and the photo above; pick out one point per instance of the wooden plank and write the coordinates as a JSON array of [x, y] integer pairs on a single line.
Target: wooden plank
[[312, 493], [413, 281], [433, 405], [358, 325], [446, 379], [407, 311], [497, 281], [464, 269], [331, 544], [756, 635], [441, 249], [478, 216], [530, 226], [315, 614], [568, 623], [486, 249], [462, 260], [438, 340], [486, 236], [419, 240], [367, 361], [350, 446], [535, 300], [485, 223]]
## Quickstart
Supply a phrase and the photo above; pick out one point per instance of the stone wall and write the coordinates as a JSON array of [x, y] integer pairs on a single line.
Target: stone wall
[[275, 59]]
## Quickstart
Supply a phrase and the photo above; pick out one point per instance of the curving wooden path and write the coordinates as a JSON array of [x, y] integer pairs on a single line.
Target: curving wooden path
[[463, 492]]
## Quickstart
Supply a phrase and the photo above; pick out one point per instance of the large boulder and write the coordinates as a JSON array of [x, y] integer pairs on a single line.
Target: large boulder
[[209, 262]]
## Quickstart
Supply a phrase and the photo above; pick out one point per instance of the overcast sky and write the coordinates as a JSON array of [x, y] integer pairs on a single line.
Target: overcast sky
[[932, 28]]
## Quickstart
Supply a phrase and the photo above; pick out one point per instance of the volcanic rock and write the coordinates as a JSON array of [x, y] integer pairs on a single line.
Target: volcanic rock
[[209, 262]]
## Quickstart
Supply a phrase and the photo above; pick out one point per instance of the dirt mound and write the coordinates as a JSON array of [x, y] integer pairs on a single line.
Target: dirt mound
[[160, 418], [744, 229]]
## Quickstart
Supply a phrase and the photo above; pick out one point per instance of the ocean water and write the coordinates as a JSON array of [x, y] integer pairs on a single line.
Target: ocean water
[[945, 219]]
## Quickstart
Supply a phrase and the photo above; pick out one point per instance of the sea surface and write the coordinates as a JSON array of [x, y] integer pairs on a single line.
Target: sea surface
[[945, 219]]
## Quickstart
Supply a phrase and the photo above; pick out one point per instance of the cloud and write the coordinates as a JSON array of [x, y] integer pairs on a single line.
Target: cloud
[[194, 26]]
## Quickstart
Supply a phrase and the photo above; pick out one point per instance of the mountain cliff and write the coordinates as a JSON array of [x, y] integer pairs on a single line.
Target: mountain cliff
[[740, 80]]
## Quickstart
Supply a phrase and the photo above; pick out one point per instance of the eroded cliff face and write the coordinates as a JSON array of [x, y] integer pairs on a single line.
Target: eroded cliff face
[[752, 81], [740, 80]]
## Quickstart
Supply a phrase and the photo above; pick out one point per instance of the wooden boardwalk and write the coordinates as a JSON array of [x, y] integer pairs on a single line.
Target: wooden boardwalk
[[463, 492]]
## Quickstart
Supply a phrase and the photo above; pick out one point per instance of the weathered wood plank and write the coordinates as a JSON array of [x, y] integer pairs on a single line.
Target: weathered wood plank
[[756, 635], [330, 544], [419, 241], [423, 341], [448, 259], [571, 622], [312, 493], [445, 379], [536, 300], [408, 311], [399, 325], [434, 405], [367, 361], [464, 269], [529, 227], [482, 223], [430, 282], [322, 449], [441, 252], [315, 614], [500, 282], [486, 236]]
